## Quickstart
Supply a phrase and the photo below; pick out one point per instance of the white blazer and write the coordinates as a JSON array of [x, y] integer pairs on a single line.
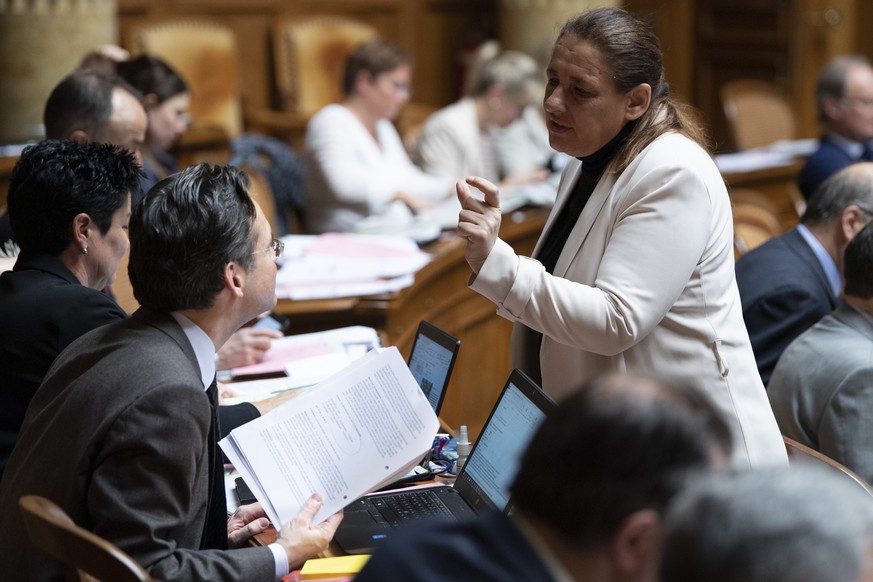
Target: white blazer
[[645, 284]]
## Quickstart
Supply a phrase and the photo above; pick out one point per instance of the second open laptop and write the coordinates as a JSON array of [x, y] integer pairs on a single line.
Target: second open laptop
[[483, 483], [431, 361]]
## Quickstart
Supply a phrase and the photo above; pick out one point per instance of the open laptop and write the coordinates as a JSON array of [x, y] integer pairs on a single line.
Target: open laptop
[[482, 484], [431, 361]]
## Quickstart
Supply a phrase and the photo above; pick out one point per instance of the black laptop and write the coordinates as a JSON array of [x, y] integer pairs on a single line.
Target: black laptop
[[431, 361], [483, 483]]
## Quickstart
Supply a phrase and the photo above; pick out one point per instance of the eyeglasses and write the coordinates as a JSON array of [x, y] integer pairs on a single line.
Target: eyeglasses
[[865, 102], [277, 246]]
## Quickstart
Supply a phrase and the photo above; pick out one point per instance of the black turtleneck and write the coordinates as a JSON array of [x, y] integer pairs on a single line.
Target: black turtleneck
[[589, 175], [592, 169]]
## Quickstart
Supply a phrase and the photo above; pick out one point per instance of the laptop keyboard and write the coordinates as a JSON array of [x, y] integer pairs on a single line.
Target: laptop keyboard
[[395, 509]]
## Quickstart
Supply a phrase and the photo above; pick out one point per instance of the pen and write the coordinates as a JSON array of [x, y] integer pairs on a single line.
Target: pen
[[404, 481]]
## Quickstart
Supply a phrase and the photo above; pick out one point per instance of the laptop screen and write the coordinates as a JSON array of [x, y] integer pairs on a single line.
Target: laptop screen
[[431, 362], [494, 461]]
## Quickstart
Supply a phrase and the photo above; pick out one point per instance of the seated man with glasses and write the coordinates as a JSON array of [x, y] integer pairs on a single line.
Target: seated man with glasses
[[790, 282], [844, 97], [123, 433]]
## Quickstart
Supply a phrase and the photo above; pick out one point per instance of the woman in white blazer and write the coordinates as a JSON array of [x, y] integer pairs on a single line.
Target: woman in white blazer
[[634, 270]]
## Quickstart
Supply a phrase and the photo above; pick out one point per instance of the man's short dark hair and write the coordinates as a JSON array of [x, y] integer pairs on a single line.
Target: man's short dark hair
[[619, 445], [184, 232], [82, 101], [858, 264], [54, 181], [846, 187]]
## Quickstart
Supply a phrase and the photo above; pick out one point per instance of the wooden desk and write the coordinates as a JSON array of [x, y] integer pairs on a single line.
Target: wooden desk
[[441, 296], [777, 183]]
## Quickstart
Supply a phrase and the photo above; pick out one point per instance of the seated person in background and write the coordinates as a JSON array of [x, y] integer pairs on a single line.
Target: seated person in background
[[355, 164], [790, 282], [588, 496], [70, 206], [797, 524], [458, 141], [90, 106], [524, 144], [822, 388], [123, 433], [166, 99], [844, 96]]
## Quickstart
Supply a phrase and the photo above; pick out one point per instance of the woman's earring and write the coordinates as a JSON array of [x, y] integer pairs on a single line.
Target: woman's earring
[[84, 250]]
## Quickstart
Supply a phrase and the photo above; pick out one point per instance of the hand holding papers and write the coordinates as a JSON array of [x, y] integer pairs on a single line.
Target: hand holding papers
[[356, 431]]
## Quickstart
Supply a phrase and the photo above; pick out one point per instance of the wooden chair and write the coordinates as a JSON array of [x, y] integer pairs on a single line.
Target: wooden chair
[[310, 56], [756, 220], [799, 453], [82, 555], [206, 55], [758, 113]]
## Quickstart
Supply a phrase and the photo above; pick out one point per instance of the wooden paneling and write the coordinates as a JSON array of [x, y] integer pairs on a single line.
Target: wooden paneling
[[435, 32]]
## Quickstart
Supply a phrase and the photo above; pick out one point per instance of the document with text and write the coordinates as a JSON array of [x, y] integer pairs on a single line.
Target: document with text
[[354, 432]]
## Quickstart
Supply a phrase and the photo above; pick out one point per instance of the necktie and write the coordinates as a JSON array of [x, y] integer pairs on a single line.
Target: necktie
[[215, 528]]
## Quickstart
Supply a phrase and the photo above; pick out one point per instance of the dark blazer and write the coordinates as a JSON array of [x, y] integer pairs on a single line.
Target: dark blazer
[[827, 160], [784, 291], [43, 308], [488, 547], [117, 436]]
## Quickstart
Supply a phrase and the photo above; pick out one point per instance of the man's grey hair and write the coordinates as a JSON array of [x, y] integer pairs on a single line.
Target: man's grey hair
[[798, 524]]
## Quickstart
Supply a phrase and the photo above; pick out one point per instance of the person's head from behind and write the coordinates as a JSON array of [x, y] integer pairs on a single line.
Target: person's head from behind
[[165, 95], [504, 83], [72, 200], [602, 468], [606, 71], [89, 105], [844, 97], [842, 205], [858, 265], [798, 524], [378, 73], [197, 235]]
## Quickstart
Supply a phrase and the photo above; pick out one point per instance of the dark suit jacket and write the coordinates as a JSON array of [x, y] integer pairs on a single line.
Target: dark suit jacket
[[43, 308], [784, 291], [117, 436], [822, 389], [488, 547], [827, 160]]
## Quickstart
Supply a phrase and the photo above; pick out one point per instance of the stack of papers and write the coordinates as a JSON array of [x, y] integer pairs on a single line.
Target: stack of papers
[[359, 430], [347, 265], [301, 361]]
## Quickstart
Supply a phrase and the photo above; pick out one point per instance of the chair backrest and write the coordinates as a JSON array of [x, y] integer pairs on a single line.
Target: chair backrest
[[756, 219], [206, 55], [82, 554], [310, 56], [800, 453], [758, 113]]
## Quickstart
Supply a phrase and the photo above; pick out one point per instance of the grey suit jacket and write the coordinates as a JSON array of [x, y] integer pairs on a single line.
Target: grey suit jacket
[[117, 436], [822, 389]]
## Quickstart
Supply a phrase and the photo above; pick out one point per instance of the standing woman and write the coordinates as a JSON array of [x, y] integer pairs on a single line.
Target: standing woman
[[634, 270]]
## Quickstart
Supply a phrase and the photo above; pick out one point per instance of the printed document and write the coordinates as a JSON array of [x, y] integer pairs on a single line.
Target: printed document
[[358, 430]]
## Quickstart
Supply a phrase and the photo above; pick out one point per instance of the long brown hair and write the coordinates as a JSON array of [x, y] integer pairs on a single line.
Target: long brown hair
[[632, 50]]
